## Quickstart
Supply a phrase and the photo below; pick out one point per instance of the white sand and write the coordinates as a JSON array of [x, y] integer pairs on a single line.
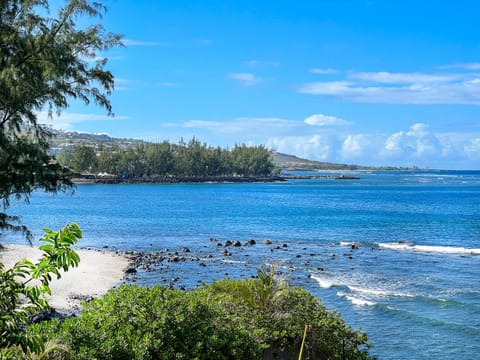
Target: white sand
[[95, 275]]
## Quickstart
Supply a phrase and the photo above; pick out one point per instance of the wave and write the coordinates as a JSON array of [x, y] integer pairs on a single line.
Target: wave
[[325, 283], [328, 283], [348, 243], [356, 300], [233, 261], [380, 292], [430, 248]]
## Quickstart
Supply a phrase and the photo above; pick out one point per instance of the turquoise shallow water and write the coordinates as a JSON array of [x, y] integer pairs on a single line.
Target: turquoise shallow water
[[413, 284]]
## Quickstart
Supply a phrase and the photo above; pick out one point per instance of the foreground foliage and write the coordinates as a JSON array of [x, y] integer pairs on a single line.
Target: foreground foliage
[[229, 319], [23, 290], [45, 61]]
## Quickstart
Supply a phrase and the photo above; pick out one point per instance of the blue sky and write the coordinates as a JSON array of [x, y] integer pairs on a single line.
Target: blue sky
[[364, 82]]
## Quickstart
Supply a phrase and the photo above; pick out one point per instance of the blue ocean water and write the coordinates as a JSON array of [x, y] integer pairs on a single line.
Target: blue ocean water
[[413, 284]]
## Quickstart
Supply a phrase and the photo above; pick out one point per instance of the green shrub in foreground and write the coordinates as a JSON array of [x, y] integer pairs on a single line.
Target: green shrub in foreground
[[132, 322], [228, 319]]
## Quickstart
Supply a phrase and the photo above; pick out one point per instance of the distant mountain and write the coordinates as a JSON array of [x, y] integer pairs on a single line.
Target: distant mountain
[[66, 139], [292, 162]]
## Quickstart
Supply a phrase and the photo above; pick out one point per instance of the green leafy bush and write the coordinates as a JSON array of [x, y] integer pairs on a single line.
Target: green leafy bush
[[24, 286], [132, 322], [228, 319]]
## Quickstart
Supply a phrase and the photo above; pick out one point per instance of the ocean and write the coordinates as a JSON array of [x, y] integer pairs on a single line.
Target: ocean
[[396, 253]]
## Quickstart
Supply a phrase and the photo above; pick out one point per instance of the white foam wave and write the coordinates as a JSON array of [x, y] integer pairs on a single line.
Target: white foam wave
[[347, 243], [429, 248], [324, 283], [356, 300], [357, 295], [233, 261], [378, 292]]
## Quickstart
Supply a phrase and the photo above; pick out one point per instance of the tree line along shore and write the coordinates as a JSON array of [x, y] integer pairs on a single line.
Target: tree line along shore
[[165, 162]]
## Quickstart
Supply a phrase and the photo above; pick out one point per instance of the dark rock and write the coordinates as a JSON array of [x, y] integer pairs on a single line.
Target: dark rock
[[250, 242], [175, 259], [225, 252], [237, 244], [213, 239], [284, 245], [267, 242], [228, 243], [185, 249], [219, 244], [131, 270]]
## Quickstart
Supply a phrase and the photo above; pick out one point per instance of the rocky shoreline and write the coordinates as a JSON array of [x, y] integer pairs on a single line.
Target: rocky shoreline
[[187, 267], [205, 179], [177, 179]]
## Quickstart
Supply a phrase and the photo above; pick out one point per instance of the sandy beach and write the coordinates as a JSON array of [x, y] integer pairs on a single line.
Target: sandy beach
[[97, 272]]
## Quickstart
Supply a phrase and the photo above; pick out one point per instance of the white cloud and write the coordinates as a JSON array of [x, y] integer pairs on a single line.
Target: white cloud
[[414, 145], [66, 120], [325, 120], [321, 71], [417, 145], [245, 126], [403, 78], [400, 88], [356, 147], [245, 79], [472, 149], [316, 147]]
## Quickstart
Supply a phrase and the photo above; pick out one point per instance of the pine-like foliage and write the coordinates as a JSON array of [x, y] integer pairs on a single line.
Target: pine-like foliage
[[45, 61]]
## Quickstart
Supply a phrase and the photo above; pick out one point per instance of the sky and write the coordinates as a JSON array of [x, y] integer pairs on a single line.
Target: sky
[[381, 83]]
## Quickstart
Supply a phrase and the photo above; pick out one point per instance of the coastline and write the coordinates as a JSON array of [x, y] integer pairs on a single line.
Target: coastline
[[176, 179], [97, 272]]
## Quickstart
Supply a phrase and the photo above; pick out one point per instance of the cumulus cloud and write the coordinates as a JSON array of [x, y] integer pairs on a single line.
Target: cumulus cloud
[[316, 147], [416, 144], [245, 79], [325, 120], [356, 147], [472, 149], [400, 88]]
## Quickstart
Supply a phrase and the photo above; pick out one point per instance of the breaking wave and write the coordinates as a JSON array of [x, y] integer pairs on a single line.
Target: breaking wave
[[429, 248]]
